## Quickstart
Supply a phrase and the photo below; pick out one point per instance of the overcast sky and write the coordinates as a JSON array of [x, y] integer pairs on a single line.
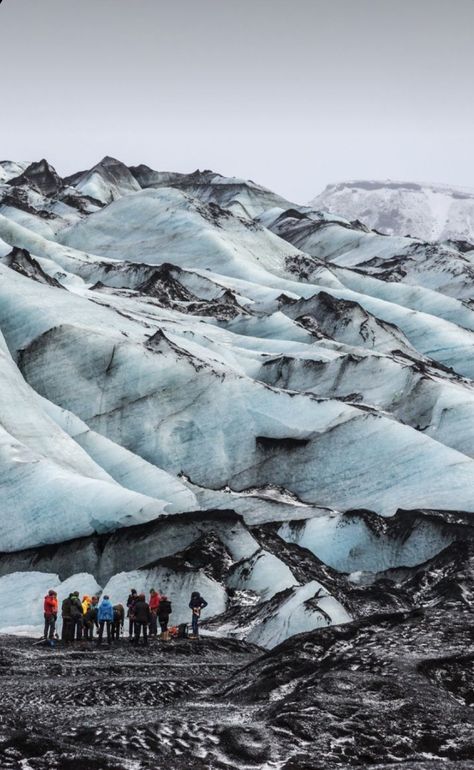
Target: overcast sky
[[294, 95]]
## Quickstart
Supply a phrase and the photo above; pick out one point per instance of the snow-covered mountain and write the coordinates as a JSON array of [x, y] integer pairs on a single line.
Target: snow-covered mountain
[[206, 386], [428, 211]]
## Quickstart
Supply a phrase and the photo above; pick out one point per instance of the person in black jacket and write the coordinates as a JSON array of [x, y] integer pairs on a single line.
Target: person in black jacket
[[131, 601], [196, 605], [67, 634], [141, 618], [164, 612], [117, 624], [77, 615]]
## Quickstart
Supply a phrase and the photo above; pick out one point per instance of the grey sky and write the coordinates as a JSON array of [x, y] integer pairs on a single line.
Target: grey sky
[[294, 95]]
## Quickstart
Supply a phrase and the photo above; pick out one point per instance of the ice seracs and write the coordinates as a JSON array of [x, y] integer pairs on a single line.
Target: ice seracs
[[105, 182], [241, 196], [40, 176]]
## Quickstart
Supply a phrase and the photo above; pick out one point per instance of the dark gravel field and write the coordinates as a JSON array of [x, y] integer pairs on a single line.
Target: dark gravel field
[[393, 690]]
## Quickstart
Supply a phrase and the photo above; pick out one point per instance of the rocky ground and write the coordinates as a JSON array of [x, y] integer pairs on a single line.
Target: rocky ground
[[390, 690], [120, 708]]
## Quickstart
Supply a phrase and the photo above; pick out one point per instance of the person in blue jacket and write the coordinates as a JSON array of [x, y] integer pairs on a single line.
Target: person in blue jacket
[[105, 616], [196, 604]]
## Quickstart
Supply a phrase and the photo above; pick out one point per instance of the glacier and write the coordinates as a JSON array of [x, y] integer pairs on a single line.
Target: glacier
[[204, 385]]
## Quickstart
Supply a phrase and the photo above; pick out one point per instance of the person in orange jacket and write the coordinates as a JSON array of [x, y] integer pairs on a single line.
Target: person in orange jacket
[[50, 614]]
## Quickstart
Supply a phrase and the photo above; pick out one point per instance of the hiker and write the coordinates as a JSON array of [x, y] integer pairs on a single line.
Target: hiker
[[67, 634], [105, 616], [90, 619], [196, 604], [117, 625], [142, 617], [86, 603], [50, 614], [154, 604], [131, 601], [164, 612], [77, 615]]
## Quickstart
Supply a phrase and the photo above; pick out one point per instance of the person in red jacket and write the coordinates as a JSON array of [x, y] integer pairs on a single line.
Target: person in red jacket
[[50, 614], [154, 605]]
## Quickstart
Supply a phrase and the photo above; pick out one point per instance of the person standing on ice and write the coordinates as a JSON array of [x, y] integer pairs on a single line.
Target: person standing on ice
[[142, 617], [105, 617], [50, 614], [154, 604], [196, 605], [131, 601]]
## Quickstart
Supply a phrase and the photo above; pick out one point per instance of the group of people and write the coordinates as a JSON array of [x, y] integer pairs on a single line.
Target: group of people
[[144, 616], [81, 619]]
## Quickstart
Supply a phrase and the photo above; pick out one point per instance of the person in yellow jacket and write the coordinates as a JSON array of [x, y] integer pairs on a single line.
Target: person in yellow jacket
[[86, 603]]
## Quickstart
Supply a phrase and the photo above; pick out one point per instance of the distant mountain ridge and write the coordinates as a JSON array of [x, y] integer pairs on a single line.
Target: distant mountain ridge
[[422, 210]]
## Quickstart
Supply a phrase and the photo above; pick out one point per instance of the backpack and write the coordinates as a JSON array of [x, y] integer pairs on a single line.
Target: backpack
[[183, 631]]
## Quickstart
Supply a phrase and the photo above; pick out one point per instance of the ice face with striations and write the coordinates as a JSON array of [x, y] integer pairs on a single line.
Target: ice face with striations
[[174, 346]]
